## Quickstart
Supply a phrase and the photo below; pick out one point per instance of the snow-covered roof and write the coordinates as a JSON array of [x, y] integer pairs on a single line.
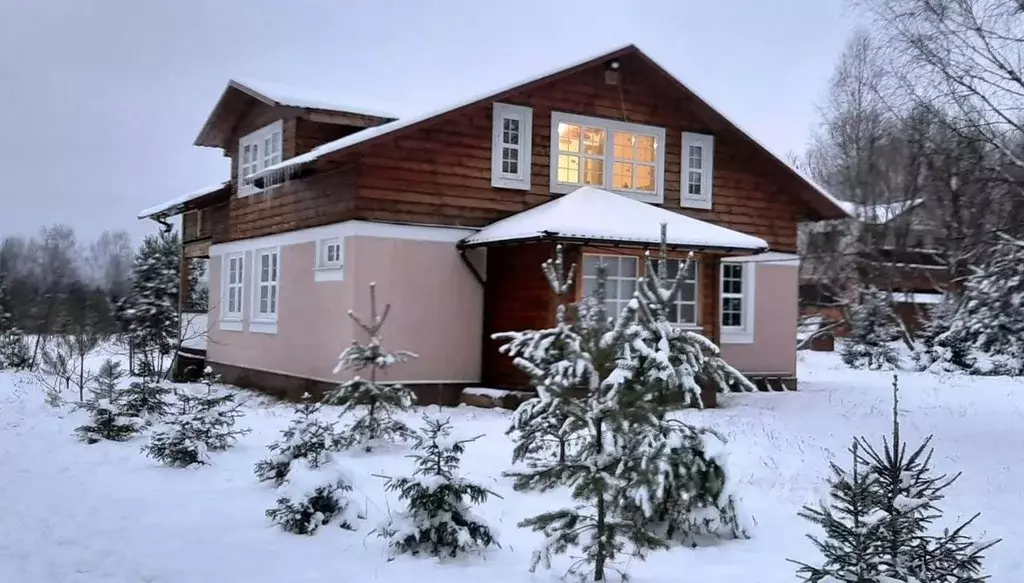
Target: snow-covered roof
[[286, 95], [917, 298], [593, 214], [170, 205], [878, 214], [385, 129]]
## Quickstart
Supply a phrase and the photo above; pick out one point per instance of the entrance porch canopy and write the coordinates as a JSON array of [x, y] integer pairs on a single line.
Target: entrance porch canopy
[[593, 215]]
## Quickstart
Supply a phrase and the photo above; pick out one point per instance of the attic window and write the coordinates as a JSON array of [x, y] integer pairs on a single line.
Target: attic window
[[511, 145], [256, 151], [622, 157]]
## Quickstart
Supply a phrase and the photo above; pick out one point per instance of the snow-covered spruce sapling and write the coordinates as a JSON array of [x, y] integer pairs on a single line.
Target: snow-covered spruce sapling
[[438, 519], [597, 471], [851, 524], [307, 437], [372, 403], [553, 359], [907, 495], [147, 400], [108, 418], [878, 525], [314, 494], [872, 330], [200, 424]]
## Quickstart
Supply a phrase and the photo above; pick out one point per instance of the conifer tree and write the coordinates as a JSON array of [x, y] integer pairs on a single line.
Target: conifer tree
[[851, 523], [313, 494], [878, 526], [200, 424], [438, 519], [109, 418], [908, 494], [598, 471], [372, 403], [14, 350], [872, 329], [152, 304], [147, 400], [941, 348], [307, 437]]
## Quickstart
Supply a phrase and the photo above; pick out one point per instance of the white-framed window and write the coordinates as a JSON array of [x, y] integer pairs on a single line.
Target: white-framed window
[[256, 151], [736, 307], [684, 311], [511, 146], [622, 157], [621, 273], [266, 296], [234, 287], [697, 165], [330, 257]]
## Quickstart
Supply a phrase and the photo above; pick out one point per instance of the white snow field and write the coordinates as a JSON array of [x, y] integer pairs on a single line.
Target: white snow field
[[71, 512]]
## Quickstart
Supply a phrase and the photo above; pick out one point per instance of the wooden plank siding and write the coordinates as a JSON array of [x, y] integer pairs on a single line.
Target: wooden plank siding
[[441, 173], [517, 297]]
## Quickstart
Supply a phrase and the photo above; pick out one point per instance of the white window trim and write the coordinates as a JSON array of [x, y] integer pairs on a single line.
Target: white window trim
[[704, 200], [521, 179], [257, 138], [610, 126], [265, 323], [329, 271], [232, 321], [739, 334]]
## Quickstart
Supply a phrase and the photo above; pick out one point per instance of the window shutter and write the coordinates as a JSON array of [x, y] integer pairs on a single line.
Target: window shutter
[[511, 146], [697, 170]]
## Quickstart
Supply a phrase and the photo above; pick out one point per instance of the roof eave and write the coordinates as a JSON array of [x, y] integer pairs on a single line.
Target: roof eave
[[552, 237]]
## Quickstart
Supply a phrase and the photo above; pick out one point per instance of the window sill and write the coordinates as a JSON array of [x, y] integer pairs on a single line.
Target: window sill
[[737, 336], [231, 324], [694, 203], [263, 326], [328, 273], [650, 197]]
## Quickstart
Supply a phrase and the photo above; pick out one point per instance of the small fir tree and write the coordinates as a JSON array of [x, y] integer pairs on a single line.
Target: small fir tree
[[201, 424], [313, 494], [851, 523], [147, 400], [372, 403], [598, 471], [15, 352], [438, 519], [878, 525], [109, 419], [872, 330], [307, 437], [907, 495], [151, 310], [554, 361], [941, 348]]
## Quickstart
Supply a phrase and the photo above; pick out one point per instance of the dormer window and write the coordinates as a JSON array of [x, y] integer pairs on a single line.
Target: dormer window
[[256, 151]]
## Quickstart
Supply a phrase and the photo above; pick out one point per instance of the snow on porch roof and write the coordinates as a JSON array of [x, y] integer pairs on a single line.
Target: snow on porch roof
[[593, 214], [168, 207]]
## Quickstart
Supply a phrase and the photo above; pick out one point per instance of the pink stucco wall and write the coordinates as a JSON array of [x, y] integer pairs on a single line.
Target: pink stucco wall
[[775, 319], [436, 312]]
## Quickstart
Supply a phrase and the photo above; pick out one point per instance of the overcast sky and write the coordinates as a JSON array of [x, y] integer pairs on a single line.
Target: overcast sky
[[100, 100]]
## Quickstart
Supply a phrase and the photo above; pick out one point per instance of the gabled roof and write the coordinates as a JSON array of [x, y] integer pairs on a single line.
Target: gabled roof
[[599, 216], [878, 214], [276, 94], [825, 204], [177, 205]]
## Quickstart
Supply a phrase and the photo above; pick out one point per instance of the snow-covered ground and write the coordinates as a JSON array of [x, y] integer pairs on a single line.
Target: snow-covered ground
[[105, 513]]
